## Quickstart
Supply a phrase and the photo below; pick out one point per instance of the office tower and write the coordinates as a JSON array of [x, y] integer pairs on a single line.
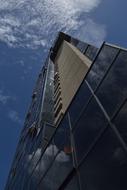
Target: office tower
[[75, 132]]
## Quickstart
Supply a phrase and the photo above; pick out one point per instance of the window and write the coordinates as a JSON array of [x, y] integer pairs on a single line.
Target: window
[[32, 131], [82, 46], [91, 123], [62, 164], [121, 122], [79, 102], [105, 167], [34, 95], [113, 90], [58, 172], [101, 65], [91, 52], [42, 165], [73, 184]]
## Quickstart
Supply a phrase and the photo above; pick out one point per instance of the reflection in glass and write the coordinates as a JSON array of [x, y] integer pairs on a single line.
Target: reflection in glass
[[58, 172], [82, 46], [48, 103], [73, 184], [101, 65], [74, 41], [31, 160], [121, 122], [43, 165], [106, 165], [62, 136], [113, 90], [89, 126], [79, 102], [62, 164], [91, 52]]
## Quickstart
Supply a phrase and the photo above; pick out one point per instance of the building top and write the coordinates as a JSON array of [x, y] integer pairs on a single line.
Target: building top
[[61, 37], [86, 96]]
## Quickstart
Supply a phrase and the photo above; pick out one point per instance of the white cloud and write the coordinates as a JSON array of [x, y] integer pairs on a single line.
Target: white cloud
[[91, 32], [13, 115], [47, 157], [6, 35], [9, 20], [32, 23], [62, 160]]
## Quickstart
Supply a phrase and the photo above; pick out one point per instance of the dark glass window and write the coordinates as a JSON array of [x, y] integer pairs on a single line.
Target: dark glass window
[[48, 104], [73, 184], [42, 166], [62, 136], [74, 41], [82, 46], [48, 131], [121, 122], [32, 159], [58, 172], [101, 65], [79, 102], [91, 52], [19, 172], [62, 163], [17, 182], [113, 90], [106, 165], [89, 126]]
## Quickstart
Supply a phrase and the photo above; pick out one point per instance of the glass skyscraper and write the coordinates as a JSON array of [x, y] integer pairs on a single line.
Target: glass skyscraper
[[75, 131]]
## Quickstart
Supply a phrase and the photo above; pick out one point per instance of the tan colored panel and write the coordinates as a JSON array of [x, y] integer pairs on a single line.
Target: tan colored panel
[[72, 68]]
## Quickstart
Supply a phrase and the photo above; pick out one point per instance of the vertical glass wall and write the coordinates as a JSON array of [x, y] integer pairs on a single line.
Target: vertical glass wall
[[97, 119], [48, 100], [88, 149]]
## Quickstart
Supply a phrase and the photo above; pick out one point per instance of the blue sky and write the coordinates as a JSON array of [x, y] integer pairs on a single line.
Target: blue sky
[[27, 30]]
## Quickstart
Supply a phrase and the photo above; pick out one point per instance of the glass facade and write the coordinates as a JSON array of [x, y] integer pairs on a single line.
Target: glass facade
[[88, 149]]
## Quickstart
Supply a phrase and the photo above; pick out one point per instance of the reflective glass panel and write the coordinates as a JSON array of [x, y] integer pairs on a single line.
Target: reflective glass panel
[[62, 136], [113, 90], [121, 122], [62, 164], [82, 46], [58, 172], [73, 184], [101, 65], [91, 52], [79, 102], [74, 41], [42, 166], [48, 103], [106, 165], [31, 162], [88, 127]]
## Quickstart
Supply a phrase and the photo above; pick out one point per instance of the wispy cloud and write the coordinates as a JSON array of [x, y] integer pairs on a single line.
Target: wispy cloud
[[31, 22], [4, 98], [14, 116], [91, 32]]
